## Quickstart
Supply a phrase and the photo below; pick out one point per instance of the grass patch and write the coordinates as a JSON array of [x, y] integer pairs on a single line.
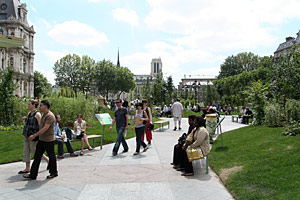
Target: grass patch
[[11, 145], [258, 163]]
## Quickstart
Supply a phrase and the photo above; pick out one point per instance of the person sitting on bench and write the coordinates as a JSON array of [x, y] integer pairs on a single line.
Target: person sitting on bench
[[60, 139], [247, 116], [79, 129]]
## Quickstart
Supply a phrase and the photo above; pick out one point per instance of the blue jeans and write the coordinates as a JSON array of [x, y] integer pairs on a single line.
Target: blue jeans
[[120, 139]]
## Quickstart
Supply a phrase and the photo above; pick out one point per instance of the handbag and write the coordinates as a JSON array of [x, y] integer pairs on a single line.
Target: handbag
[[194, 153]]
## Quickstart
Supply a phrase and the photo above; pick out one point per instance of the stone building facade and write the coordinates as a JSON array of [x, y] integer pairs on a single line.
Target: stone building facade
[[285, 47], [13, 22]]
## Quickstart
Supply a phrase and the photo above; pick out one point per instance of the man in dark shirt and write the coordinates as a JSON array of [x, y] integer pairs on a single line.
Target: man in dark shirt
[[121, 119], [247, 116], [125, 104]]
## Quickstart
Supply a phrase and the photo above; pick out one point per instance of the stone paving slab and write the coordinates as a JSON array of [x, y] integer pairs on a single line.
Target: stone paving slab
[[98, 175]]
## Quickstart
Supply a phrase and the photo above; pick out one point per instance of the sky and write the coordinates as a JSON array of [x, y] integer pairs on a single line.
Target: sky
[[192, 37]]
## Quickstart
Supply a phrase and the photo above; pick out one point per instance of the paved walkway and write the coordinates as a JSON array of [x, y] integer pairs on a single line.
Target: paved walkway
[[98, 175]]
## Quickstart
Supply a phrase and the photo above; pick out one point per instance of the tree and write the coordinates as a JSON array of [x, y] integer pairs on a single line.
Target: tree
[[125, 80], [7, 88], [158, 90], [169, 87], [105, 77], [87, 74], [67, 71], [242, 62], [147, 90], [285, 82], [41, 85]]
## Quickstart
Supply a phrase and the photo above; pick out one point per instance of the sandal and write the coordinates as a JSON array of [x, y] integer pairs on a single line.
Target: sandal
[[136, 153], [23, 172], [90, 149], [81, 153]]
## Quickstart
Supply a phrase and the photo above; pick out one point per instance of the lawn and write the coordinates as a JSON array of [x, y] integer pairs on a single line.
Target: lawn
[[11, 144], [258, 163]]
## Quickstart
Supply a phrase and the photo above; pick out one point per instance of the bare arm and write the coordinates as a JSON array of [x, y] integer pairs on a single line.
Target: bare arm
[[38, 117], [150, 114], [74, 127], [112, 124], [84, 127], [146, 116]]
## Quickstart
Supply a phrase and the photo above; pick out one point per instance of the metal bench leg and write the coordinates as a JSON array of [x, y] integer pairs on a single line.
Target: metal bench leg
[[101, 143], [93, 142], [207, 164]]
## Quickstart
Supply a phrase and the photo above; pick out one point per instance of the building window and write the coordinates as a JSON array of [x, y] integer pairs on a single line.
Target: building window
[[24, 66], [157, 65], [154, 67], [11, 61]]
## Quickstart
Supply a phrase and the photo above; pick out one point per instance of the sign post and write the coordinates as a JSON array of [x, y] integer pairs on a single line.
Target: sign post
[[211, 123], [104, 119]]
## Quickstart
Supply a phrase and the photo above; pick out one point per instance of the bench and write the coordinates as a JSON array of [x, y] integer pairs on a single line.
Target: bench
[[233, 117], [206, 162], [91, 137], [161, 123]]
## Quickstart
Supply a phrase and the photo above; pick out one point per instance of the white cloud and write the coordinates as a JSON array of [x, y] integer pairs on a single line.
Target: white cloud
[[124, 15], [74, 33], [221, 25], [175, 58], [54, 56], [49, 74]]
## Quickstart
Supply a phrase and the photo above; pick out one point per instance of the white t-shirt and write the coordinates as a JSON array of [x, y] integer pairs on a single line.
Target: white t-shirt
[[177, 109]]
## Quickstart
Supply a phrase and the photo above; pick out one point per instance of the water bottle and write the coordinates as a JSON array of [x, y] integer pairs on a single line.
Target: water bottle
[[64, 134]]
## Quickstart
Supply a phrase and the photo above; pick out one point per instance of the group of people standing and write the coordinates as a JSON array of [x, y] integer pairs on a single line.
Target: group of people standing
[[141, 122]]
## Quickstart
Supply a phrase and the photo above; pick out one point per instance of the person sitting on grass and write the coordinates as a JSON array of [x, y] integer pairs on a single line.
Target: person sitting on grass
[[60, 139], [199, 138], [79, 129]]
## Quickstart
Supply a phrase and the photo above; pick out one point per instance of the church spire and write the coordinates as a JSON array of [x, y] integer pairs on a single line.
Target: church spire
[[118, 63]]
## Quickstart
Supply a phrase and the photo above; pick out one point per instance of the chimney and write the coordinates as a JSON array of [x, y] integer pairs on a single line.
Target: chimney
[[287, 39]]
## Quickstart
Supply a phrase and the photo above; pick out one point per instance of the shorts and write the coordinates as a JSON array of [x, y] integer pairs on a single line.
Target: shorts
[[29, 147], [177, 118]]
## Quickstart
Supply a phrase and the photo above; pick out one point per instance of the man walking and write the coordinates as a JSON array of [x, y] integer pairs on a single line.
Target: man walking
[[45, 143], [60, 139], [177, 111], [121, 119]]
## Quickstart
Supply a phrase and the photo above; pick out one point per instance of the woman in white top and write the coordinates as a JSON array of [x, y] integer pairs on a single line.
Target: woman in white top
[[140, 119], [80, 128]]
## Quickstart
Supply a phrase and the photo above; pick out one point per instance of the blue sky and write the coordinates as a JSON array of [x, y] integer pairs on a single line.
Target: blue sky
[[192, 37]]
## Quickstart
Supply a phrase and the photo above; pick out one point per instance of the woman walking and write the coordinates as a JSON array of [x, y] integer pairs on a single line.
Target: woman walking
[[32, 123], [148, 131], [139, 119]]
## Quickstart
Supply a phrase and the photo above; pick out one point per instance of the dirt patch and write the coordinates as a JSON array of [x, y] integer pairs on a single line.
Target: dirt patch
[[288, 147], [226, 172]]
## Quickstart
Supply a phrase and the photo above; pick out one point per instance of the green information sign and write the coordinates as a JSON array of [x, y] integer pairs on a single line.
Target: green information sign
[[104, 118]]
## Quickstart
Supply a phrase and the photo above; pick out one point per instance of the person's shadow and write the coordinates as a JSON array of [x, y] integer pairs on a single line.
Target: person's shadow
[[30, 185]]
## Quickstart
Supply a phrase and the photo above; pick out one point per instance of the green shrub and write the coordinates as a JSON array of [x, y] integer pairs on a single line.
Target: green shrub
[[69, 108], [274, 115], [292, 111]]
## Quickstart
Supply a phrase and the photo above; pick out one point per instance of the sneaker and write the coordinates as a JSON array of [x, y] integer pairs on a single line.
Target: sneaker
[[61, 157], [179, 128], [174, 129], [124, 151], [136, 153], [114, 153]]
